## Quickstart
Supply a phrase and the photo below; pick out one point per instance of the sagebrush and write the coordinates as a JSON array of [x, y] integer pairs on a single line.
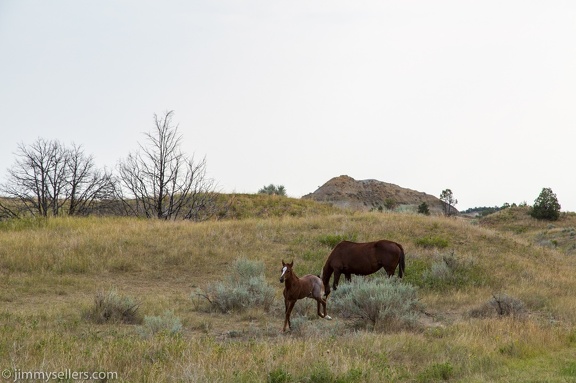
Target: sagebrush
[[245, 287], [385, 303]]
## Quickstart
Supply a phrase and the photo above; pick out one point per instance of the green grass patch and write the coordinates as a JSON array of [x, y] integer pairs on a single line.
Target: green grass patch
[[432, 241], [331, 240], [436, 372], [569, 369]]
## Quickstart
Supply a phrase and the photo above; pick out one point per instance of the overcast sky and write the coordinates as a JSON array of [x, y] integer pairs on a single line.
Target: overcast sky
[[475, 96]]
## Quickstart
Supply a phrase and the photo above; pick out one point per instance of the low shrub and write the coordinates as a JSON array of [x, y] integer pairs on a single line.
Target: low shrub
[[506, 305], [385, 303], [110, 307], [500, 305], [166, 324], [245, 287], [452, 271]]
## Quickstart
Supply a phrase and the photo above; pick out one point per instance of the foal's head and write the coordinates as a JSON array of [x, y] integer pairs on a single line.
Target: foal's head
[[286, 270]]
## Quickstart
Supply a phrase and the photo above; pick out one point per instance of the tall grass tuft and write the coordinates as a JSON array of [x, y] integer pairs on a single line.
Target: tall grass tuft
[[110, 307]]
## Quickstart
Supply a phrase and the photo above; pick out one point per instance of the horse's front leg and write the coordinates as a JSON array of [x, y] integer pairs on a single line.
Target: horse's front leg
[[336, 279]]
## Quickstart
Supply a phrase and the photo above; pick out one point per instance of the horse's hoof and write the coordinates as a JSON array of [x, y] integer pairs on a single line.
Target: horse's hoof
[[328, 317]]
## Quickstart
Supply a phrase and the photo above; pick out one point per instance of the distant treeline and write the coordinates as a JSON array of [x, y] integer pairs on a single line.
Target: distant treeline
[[486, 210]]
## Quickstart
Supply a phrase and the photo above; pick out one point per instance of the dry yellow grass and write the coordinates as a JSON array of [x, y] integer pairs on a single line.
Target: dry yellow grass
[[51, 271]]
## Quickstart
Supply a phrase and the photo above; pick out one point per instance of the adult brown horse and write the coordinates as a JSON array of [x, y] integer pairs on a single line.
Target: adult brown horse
[[309, 286], [362, 259]]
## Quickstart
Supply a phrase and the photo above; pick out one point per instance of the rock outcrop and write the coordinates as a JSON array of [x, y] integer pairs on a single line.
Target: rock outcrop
[[345, 191]]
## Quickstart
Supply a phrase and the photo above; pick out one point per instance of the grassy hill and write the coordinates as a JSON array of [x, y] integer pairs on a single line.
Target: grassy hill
[[559, 235], [53, 271]]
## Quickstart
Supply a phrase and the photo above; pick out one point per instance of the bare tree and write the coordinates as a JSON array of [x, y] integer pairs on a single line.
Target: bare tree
[[8, 208], [88, 188], [49, 180], [35, 179], [162, 181]]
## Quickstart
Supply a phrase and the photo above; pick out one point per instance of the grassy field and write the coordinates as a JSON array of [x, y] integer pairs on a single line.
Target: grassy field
[[52, 271]]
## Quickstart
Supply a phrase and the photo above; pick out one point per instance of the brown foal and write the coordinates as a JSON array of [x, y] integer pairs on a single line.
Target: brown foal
[[309, 286]]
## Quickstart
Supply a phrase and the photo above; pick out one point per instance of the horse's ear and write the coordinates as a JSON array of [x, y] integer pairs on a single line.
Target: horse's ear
[[283, 264], [291, 263]]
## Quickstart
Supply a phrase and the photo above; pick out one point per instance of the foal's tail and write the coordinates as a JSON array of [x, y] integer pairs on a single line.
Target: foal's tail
[[402, 263]]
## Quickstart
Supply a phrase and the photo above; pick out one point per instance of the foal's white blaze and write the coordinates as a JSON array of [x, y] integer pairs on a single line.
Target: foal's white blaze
[[283, 271]]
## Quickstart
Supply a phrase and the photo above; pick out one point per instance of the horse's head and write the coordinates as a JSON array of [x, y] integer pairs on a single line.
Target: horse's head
[[286, 270]]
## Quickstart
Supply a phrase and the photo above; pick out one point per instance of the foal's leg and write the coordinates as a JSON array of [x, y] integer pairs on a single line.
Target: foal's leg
[[286, 303], [289, 307], [322, 302]]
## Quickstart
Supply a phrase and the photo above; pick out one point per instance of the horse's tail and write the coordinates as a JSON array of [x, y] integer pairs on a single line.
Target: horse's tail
[[402, 262], [326, 274]]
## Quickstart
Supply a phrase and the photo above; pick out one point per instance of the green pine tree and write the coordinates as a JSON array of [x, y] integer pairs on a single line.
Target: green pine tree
[[546, 206]]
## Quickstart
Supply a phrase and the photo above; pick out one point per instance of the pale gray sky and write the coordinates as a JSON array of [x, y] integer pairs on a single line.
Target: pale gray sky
[[475, 96]]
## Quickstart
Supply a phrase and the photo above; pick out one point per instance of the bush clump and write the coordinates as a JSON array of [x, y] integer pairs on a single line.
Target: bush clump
[[385, 303], [165, 324], [245, 287], [423, 209], [501, 305], [452, 271], [110, 307]]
